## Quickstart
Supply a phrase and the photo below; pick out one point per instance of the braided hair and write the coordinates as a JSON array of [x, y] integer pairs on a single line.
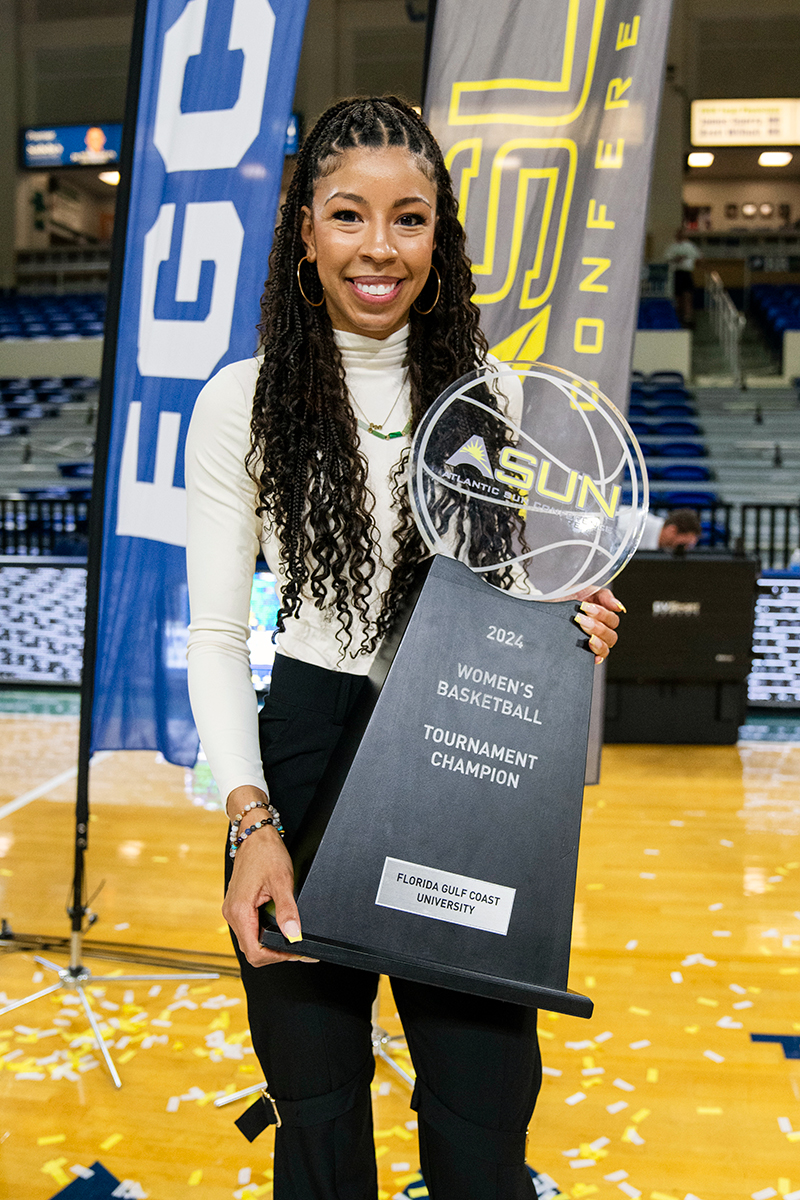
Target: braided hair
[[304, 454]]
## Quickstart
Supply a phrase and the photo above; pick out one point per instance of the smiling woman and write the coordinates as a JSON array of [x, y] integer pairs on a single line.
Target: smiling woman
[[371, 233], [367, 316]]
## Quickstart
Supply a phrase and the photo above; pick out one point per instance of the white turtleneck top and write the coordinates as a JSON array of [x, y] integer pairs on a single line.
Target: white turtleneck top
[[224, 534]]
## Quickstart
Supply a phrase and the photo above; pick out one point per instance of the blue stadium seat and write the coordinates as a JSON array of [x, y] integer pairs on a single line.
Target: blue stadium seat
[[667, 378], [683, 450], [675, 410], [684, 473], [676, 429]]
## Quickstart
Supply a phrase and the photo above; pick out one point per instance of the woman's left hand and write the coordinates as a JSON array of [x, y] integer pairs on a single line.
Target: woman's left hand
[[599, 620]]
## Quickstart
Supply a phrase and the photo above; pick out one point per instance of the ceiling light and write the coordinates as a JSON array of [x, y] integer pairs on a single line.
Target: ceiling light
[[700, 158], [112, 177], [774, 158]]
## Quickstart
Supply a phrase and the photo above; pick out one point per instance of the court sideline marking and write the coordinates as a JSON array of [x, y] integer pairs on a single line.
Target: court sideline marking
[[48, 785]]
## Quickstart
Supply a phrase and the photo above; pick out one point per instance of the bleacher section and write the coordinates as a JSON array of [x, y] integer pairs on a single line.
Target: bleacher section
[[663, 416], [657, 313], [46, 455], [46, 317]]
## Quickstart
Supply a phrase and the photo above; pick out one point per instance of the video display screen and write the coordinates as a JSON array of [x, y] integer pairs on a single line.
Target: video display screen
[[775, 678], [49, 146], [42, 612]]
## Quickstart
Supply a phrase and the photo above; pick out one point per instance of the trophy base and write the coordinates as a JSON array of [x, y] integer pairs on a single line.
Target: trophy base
[[572, 1004]]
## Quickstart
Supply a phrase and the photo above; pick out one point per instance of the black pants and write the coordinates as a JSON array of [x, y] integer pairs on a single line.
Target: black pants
[[477, 1060]]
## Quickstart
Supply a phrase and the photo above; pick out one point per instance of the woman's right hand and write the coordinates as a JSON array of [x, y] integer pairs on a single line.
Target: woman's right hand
[[262, 871]]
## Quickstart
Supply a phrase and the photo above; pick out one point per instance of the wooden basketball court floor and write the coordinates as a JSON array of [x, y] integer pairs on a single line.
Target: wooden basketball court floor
[[687, 936]]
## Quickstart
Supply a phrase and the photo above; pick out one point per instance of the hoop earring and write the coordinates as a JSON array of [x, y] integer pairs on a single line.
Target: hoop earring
[[311, 303], [423, 312]]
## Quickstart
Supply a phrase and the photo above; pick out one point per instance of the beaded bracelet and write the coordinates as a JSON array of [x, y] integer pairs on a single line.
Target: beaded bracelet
[[237, 820], [274, 821]]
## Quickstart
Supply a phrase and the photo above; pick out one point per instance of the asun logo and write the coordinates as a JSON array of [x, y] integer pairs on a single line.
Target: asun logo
[[525, 473], [676, 608]]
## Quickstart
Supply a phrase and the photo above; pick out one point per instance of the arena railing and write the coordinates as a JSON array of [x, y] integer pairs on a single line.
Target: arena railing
[[728, 324], [45, 527]]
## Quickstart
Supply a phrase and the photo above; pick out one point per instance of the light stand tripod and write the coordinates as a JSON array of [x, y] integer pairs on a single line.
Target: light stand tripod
[[380, 1040]]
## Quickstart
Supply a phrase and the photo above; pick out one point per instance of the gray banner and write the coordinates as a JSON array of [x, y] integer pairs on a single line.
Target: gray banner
[[547, 111]]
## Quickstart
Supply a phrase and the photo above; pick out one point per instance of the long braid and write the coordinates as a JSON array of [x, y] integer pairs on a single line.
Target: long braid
[[304, 453]]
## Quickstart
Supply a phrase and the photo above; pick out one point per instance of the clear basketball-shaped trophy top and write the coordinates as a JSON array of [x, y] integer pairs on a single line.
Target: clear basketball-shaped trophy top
[[533, 478]]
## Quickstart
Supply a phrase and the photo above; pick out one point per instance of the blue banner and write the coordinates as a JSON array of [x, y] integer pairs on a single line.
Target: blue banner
[[215, 98]]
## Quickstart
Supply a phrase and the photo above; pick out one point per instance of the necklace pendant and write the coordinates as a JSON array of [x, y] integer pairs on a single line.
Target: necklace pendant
[[373, 428]]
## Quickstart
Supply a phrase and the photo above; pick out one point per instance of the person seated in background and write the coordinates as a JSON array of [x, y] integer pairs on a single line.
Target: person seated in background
[[679, 531]]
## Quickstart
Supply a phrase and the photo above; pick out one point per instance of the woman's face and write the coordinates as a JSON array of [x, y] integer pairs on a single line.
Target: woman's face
[[370, 231]]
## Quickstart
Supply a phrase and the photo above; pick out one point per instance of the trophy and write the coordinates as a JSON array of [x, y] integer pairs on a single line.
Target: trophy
[[442, 842]]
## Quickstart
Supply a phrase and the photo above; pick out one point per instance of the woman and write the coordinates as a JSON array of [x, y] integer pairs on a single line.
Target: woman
[[366, 318]]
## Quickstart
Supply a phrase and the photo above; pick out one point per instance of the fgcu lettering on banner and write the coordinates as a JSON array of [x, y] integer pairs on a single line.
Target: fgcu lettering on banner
[[216, 87], [547, 113]]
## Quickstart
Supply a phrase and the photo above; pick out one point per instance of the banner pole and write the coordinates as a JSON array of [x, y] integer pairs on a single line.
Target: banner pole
[[77, 910]]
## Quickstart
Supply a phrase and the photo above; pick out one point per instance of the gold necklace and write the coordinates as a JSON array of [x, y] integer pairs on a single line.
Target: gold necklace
[[375, 429]]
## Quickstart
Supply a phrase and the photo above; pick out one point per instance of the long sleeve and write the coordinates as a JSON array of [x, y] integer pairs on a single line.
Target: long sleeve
[[222, 542]]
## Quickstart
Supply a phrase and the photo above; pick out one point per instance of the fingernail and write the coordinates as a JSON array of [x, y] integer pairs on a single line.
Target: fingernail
[[621, 607], [591, 609], [584, 622], [312, 960], [595, 644], [291, 931]]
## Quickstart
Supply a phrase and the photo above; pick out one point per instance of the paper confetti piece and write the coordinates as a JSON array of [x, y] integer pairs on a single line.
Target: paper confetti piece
[[646, 875], [640, 1116], [82, 1172], [652, 1075], [721, 933], [678, 824], [584, 1045], [590, 981], [55, 1169], [725, 842], [616, 1107], [578, 1163], [401, 1166], [111, 1141], [691, 1029], [554, 1071], [676, 977], [791, 1195], [743, 1004], [603, 1037], [632, 944], [713, 1056], [708, 1002], [639, 1045], [51, 1139], [784, 1124], [173, 1104], [616, 1176], [728, 1023], [652, 851], [625, 1087], [737, 987], [595, 887], [575, 1098], [629, 1190], [244, 1176], [765, 1194], [715, 907], [693, 960], [590, 1071], [122, 925], [196, 1178], [661, 1196], [632, 1136]]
